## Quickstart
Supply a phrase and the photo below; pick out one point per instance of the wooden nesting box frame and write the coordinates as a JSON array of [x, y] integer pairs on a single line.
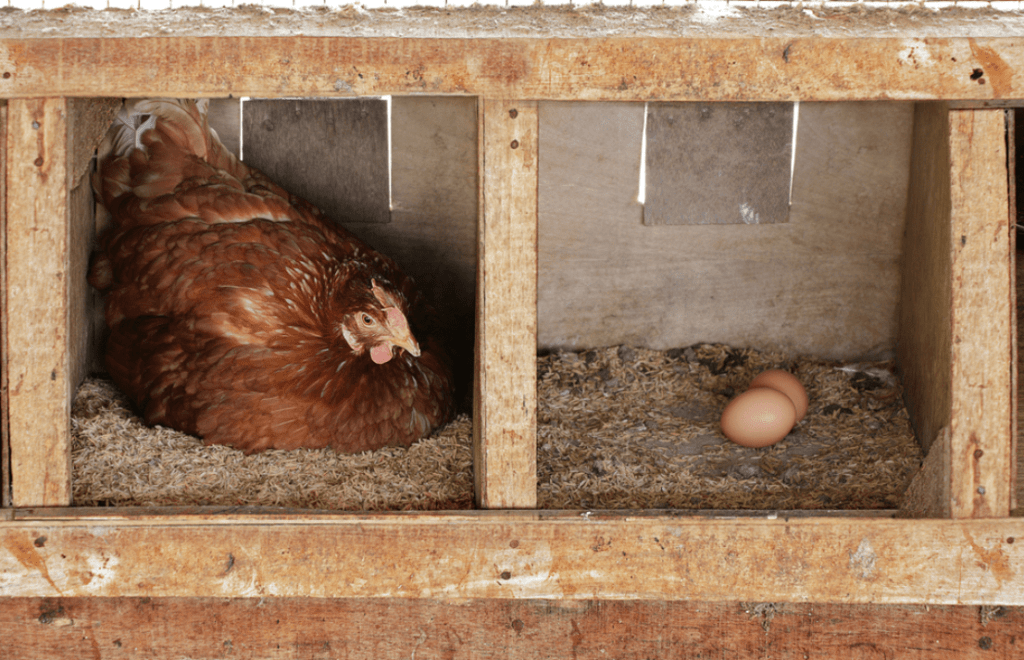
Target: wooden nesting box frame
[[958, 299]]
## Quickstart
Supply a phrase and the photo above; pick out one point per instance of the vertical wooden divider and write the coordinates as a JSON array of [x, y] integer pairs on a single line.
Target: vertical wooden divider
[[505, 395], [5, 449], [37, 301], [982, 316]]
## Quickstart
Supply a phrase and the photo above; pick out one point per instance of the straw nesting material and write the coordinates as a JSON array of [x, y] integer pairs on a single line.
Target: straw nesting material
[[618, 427], [637, 428], [119, 461]]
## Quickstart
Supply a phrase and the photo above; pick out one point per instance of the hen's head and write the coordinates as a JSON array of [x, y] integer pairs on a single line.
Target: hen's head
[[377, 323]]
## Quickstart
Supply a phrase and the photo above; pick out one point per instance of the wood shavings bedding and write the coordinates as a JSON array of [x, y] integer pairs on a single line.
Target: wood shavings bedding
[[618, 428], [635, 428]]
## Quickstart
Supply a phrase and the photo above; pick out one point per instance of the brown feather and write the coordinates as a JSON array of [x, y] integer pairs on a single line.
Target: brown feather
[[234, 308]]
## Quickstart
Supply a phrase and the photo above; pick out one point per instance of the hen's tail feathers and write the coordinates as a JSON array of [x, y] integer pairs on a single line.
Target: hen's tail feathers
[[170, 125]]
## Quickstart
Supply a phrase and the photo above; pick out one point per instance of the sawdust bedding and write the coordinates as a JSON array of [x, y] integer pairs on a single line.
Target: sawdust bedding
[[618, 428]]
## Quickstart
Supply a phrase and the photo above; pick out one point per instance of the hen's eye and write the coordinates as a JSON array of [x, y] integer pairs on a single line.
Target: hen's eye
[[367, 320]]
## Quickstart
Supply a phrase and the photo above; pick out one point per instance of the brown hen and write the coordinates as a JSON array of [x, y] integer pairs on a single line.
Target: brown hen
[[239, 314]]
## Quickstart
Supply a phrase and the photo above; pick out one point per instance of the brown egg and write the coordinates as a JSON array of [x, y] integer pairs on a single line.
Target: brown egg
[[787, 383], [759, 417]]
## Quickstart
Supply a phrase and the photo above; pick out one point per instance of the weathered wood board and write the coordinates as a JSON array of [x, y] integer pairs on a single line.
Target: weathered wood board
[[38, 228], [225, 117], [524, 555], [925, 340], [333, 153], [505, 387], [983, 342], [718, 163], [825, 283], [912, 64], [957, 340], [45, 628], [49, 333], [5, 449]]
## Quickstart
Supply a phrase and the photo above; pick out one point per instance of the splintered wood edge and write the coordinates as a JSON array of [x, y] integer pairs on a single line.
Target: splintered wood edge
[[505, 394], [581, 555], [610, 68], [982, 337], [39, 395]]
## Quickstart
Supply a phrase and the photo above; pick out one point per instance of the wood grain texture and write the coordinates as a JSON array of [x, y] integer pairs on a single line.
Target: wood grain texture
[[38, 261], [767, 68], [924, 342], [331, 152], [1014, 139], [225, 117], [88, 121], [826, 283], [928, 495], [982, 316], [718, 163], [505, 394], [5, 448], [522, 555], [44, 628]]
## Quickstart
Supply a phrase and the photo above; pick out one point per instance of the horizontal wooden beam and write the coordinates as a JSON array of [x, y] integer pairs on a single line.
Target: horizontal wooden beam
[[558, 555], [39, 629], [594, 68]]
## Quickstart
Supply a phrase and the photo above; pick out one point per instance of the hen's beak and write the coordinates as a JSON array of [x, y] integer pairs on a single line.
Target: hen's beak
[[408, 342], [401, 334]]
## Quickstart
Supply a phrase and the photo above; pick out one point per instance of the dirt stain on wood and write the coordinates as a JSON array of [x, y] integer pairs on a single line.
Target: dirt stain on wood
[[24, 550], [994, 559], [998, 73]]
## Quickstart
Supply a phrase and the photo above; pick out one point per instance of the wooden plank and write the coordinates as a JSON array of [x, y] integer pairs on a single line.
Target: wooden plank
[[43, 628], [924, 342], [333, 153], [225, 117], [718, 163], [522, 555], [505, 390], [826, 283], [5, 447], [768, 67], [37, 299], [982, 296], [1012, 150], [88, 122]]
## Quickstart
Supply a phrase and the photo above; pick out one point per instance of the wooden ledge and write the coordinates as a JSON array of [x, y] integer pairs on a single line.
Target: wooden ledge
[[561, 555]]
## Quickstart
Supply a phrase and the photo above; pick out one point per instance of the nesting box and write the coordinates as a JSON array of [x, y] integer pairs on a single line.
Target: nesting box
[[951, 322]]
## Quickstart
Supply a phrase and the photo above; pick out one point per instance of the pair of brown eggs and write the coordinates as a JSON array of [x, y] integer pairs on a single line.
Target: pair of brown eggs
[[767, 411]]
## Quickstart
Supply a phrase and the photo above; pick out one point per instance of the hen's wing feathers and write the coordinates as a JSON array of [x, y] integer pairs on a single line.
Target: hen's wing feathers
[[218, 286]]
